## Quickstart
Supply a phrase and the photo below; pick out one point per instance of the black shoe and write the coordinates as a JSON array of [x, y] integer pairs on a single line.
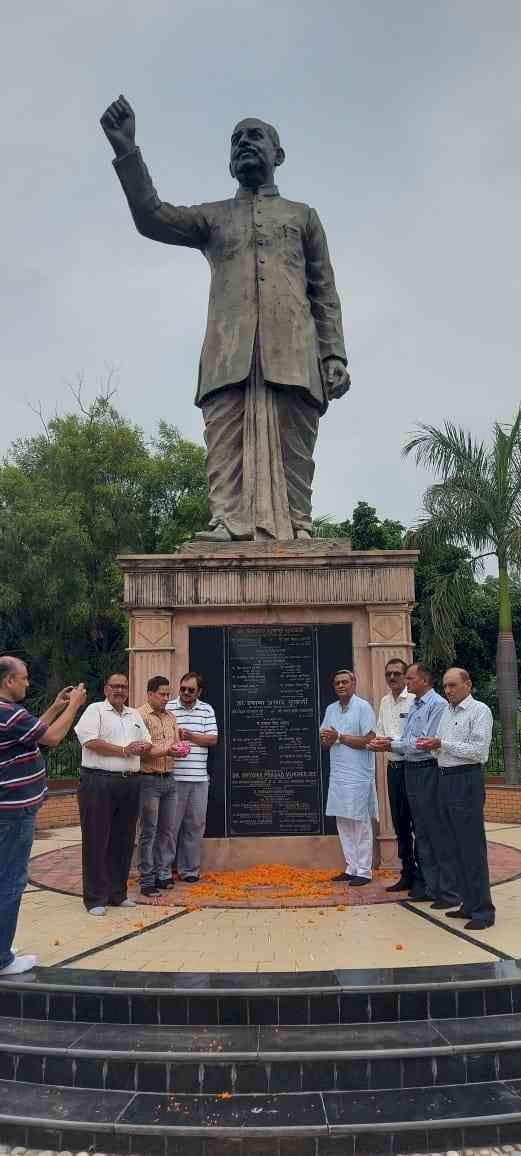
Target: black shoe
[[359, 881], [164, 884], [150, 890], [190, 879], [342, 878], [401, 885], [419, 896], [480, 924], [459, 914], [439, 905]]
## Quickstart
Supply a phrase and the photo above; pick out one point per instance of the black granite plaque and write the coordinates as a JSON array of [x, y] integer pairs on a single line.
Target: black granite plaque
[[268, 775], [273, 752]]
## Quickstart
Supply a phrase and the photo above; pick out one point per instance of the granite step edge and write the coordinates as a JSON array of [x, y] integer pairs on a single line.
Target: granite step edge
[[219, 984], [262, 1044], [153, 1114]]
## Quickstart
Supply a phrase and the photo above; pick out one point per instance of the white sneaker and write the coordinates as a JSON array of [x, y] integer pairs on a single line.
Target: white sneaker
[[127, 903], [18, 964], [97, 911]]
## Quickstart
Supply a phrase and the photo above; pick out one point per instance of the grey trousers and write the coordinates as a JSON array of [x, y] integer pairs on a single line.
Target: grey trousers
[[191, 801], [156, 820], [433, 843]]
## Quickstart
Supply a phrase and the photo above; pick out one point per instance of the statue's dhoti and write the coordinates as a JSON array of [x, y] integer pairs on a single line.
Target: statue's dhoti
[[260, 441]]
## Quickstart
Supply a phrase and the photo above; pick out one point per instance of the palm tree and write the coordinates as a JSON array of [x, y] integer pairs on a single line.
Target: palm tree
[[476, 503]]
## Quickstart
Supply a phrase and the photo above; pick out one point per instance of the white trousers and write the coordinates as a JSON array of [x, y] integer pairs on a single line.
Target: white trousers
[[356, 838]]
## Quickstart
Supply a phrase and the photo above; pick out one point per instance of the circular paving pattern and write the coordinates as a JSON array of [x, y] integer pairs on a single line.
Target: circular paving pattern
[[266, 886]]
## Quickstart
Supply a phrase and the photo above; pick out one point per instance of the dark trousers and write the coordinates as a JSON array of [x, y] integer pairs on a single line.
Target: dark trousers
[[433, 843], [109, 808], [462, 797], [402, 822]]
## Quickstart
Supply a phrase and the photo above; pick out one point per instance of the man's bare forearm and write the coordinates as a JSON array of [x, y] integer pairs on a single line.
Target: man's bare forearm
[[100, 747]]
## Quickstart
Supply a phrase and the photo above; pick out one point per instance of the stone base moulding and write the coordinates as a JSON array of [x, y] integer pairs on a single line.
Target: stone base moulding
[[323, 852], [315, 583]]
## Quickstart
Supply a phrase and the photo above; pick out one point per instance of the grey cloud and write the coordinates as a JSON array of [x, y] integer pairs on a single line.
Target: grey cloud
[[400, 124]]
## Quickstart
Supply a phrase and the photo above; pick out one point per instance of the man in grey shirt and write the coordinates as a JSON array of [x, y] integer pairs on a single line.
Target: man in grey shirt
[[421, 784], [461, 746]]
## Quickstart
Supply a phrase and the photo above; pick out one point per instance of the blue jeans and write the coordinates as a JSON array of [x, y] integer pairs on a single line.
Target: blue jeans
[[16, 840]]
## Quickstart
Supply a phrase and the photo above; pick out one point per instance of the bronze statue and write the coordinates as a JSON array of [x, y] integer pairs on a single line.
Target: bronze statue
[[273, 354]]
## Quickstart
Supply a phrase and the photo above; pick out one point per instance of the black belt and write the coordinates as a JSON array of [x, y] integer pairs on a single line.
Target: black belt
[[395, 763], [422, 763], [462, 767], [112, 774]]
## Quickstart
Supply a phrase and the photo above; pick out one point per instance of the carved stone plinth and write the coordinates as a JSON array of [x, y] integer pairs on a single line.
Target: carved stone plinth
[[273, 584]]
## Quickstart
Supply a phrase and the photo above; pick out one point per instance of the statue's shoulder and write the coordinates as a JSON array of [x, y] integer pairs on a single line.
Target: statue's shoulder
[[295, 206], [216, 208]]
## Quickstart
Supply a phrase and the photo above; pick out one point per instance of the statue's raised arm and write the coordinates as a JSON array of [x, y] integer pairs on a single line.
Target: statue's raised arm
[[273, 356], [119, 125]]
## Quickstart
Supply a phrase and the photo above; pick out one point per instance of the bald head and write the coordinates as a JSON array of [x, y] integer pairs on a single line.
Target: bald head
[[14, 678], [255, 153], [457, 684], [263, 124]]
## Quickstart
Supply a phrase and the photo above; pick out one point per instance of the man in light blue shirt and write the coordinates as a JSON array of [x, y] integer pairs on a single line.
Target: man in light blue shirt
[[346, 728], [422, 786]]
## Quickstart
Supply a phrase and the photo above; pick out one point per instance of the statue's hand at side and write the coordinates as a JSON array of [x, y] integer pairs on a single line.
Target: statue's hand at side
[[337, 378], [119, 125]]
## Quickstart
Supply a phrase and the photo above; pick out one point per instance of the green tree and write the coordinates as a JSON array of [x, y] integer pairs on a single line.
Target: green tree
[[369, 533], [177, 491], [365, 530], [71, 499], [475, 504]]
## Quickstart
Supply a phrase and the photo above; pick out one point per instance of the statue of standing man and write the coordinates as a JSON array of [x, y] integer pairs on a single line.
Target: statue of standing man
[[273, 354]]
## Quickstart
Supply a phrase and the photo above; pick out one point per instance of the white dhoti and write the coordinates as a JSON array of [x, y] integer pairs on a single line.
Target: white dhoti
[[356, 839]]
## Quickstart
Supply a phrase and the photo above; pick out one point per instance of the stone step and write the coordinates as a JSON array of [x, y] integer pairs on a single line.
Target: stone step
[[196, 999], [243, 1060], [304, 1124]]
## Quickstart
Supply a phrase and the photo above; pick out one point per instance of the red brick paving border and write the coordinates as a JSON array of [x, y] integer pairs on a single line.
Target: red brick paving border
[[61, 871]]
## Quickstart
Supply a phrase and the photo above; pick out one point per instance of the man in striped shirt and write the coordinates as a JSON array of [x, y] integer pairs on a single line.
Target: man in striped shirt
[[22, 790], [197, 725]]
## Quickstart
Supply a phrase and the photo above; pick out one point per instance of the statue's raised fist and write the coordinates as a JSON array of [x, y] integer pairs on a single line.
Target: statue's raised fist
[[119, 125]]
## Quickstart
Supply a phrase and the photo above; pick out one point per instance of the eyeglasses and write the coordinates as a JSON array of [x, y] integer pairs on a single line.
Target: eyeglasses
[[394, 674], [117, 685], [187, 690]]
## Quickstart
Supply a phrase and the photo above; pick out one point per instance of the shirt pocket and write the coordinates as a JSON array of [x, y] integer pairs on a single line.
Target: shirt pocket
[[288, 240]]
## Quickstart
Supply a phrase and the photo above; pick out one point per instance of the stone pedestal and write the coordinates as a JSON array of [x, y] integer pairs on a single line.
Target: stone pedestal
[[313, 583]]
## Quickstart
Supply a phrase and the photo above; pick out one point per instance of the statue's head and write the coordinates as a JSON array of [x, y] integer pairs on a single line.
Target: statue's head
[[255, 152]]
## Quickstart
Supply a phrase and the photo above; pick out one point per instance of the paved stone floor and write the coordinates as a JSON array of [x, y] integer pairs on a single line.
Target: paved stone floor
[[277, 886], [348, 933]]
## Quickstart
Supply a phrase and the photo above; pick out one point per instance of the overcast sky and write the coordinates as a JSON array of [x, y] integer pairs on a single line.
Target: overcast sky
[[402, 125]]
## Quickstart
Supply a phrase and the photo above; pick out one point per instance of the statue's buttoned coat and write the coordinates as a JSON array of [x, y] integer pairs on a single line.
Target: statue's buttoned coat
[[270, 275]]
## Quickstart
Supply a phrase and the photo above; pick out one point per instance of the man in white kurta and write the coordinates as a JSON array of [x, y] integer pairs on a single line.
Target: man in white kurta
[[347, 726]]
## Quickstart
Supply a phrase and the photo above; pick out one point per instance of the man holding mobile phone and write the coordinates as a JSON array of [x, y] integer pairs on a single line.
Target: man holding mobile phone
[[23, 787]]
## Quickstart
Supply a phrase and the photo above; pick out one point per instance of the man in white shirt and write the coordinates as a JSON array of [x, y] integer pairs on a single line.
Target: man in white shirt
[[113, 737], [198, 726], [394, 709], [462, 747]]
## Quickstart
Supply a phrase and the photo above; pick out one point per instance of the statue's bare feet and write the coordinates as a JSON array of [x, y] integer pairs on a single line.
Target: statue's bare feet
[[303, 535], [219, 533]]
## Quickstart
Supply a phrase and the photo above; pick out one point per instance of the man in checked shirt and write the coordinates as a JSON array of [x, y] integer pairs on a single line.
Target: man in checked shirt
[[461, 746]]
